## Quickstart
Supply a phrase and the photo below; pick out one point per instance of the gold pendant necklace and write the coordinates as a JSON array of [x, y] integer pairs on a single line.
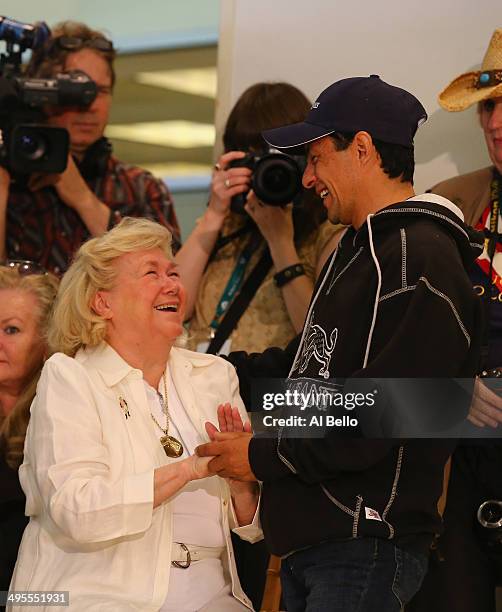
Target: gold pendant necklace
[[172, 446]]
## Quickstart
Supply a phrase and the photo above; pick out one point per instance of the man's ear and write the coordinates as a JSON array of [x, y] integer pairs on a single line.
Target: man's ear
[[364, 147], [100, 303]]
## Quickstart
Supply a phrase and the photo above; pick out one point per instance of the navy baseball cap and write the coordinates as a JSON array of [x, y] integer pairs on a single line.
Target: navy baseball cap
[[387, 113]]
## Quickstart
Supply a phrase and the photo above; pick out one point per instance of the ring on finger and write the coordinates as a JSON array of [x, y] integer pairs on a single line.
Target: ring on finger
[[227, 183]]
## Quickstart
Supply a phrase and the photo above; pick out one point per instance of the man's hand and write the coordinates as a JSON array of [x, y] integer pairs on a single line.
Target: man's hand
[[75, 193], [230, 451], [70, 185], [486, 406]]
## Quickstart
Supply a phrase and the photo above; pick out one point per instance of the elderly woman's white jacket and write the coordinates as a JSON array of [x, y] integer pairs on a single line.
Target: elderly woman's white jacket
[[88, 478]]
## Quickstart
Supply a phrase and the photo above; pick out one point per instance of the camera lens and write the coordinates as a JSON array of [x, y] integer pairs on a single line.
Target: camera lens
[[277, 179], [31, 146], [35, 147], [490, 514]]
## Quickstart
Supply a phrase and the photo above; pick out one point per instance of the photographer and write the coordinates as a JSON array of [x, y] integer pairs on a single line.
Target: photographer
[[46, 217], [261, 241], [465, 573], [283, 247]]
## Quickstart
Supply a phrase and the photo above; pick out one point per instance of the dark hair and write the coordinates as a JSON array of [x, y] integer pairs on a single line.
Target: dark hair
[[265, 106], [397, 161], [51, 58]]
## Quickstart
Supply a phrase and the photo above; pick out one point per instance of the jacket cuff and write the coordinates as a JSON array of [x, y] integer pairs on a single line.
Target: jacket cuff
[[264, 460]]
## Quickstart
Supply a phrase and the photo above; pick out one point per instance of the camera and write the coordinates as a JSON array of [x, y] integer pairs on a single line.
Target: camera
[[489, 517], [276, 178], [27, 145]]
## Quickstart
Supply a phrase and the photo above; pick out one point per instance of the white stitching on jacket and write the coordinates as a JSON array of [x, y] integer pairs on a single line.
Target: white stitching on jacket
[[343, 270], [355, 524], [379, 287], [281, 456], [452, 306], [397, 292], [338, 503], [403, 258], [425, 211], [393, 491]]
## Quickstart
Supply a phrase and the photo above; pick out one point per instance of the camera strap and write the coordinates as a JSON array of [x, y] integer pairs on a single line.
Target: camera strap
[[230, 313]]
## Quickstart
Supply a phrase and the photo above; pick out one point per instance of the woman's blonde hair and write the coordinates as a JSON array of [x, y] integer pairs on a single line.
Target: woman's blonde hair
[[13, 427], [74, 323]]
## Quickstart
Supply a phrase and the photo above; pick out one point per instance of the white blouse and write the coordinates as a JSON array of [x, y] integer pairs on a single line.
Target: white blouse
[[196, 510]]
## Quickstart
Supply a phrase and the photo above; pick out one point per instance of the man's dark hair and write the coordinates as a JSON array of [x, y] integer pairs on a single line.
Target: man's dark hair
[[51, 58], [397, 161]]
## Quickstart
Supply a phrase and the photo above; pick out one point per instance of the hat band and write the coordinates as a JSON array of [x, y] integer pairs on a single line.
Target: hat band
[[488, 78]]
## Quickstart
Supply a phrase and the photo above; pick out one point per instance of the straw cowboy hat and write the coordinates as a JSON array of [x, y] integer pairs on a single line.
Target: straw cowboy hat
[[472, 87]]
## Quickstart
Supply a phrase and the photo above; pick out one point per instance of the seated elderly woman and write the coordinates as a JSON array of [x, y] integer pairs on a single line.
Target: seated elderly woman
[[122, 513], [26, 296]]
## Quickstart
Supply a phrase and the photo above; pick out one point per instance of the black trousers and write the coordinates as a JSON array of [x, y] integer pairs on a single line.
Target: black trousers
[[252, 563]]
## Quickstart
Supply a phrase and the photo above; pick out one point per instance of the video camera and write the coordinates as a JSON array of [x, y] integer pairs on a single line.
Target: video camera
[[276, 178], [27, 144]]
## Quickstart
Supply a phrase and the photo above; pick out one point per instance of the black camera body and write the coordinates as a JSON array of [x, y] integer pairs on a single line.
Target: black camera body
[[276, 178], [27, 144]]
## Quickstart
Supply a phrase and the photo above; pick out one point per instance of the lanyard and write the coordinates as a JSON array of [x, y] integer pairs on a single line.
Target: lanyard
[[492, 236], [491, 240], [234, 283], [495, 206]]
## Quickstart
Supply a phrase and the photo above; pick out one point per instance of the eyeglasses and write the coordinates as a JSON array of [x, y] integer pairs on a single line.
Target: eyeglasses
[[74, 43], [24, 266]]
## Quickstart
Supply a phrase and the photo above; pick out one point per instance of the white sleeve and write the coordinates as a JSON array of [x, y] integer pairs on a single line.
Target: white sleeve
[[88, 498]]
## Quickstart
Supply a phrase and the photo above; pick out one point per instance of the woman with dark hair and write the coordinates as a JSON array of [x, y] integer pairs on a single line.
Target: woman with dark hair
[[25, 304], [289, 244]]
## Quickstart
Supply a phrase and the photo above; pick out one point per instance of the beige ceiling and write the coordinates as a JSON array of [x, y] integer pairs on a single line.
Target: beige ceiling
[[140, 103]]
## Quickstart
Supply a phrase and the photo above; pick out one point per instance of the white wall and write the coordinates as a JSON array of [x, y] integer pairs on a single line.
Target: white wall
[[420, 46]]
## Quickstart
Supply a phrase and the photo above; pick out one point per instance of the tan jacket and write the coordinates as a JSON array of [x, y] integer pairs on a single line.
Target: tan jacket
[[88, 478], [470, 192]]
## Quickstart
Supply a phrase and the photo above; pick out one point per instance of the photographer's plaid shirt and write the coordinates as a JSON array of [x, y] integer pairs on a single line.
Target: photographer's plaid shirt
[[41, 228]]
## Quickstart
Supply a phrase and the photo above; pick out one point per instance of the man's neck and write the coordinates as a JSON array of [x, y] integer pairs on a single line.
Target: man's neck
[[379, 197], [78, 154]]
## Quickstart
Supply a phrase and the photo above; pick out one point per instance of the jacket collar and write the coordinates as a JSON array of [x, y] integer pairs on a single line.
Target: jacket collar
[[110, 365], [433, 198], [425, 206]]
